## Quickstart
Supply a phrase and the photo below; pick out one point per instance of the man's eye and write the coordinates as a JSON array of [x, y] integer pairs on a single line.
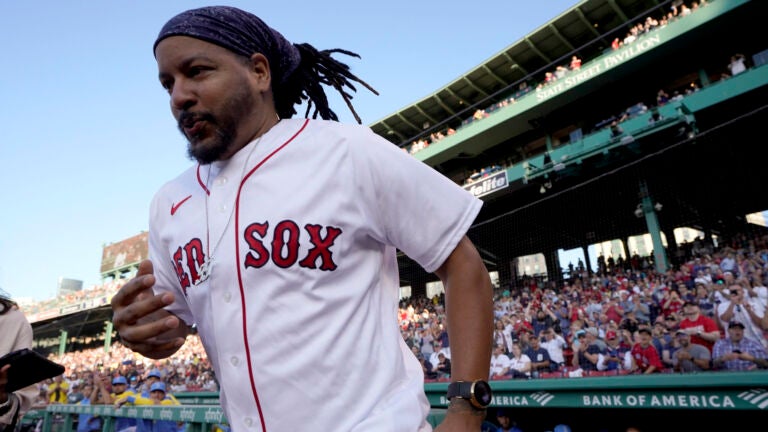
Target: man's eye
[[196, 70]]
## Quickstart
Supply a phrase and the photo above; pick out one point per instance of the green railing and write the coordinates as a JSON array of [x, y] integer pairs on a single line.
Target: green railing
[[720, 391]]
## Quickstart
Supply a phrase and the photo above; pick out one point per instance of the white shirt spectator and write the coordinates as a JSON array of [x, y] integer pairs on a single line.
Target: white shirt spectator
[[500, 364], [740, 314], [555, 348], [521, 363]]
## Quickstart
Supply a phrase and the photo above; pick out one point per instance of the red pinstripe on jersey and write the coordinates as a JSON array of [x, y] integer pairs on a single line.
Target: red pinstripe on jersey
[[239, 270]]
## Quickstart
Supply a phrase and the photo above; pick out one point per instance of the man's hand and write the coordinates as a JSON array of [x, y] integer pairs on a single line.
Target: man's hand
[[138, 315]]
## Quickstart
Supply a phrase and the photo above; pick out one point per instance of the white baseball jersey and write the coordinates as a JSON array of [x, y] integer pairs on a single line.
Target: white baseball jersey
[[299, 313]]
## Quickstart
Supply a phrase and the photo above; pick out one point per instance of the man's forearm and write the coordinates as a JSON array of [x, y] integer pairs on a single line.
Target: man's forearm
[[469, 307]]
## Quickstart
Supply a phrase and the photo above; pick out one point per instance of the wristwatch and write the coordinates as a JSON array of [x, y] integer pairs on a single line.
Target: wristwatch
[[478, 393]]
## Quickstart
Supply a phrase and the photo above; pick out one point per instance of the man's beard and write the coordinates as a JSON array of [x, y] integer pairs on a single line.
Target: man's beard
[[225, 127]]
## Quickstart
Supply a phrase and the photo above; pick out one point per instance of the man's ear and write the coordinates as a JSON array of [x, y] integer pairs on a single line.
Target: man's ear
[[260, 72]]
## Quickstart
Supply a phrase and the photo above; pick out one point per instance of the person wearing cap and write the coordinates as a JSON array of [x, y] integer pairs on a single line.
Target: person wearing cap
[[119, 392], [588, 352], [616, 355], [690, 357], [738, 352], [153, 376], [133, 384], [645, 358], [554, 344], [702, 330], [157, 396], [540, 361], [742, 308]]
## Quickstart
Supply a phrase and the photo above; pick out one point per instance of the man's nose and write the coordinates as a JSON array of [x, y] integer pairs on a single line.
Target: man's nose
[[182, 96]]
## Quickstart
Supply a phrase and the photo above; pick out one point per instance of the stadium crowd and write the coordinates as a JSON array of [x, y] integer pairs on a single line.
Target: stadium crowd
[[707, 312]]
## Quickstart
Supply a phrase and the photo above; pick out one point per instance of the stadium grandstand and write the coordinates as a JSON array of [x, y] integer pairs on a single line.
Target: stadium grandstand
[[617, 149]]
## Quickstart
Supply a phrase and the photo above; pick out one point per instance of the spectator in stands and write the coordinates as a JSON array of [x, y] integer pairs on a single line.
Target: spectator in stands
[[119, 393], [502, 335], [76, 393], [154, 376], [704, 299], [641, 309], [426, 366], [519, 363], [588, 352], [575, 63], [94, 394], [157, 397], [542, 319], [500, 362], [662, 97], [427, 343], [617, 354], [738, 352], [703, 330], [671, 303], [443, 367], [728, 263], [554, 344], [134, 384], [646, 359], [540, 361], [737, 65], [747, 311], [57, 390], [691, 357], [435, 357]]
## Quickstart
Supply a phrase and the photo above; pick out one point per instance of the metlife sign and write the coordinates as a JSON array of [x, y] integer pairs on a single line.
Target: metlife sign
[[487, 185]]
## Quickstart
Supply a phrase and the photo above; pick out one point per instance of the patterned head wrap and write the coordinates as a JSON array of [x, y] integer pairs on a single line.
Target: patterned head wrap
[[298, 70], [238, 31]]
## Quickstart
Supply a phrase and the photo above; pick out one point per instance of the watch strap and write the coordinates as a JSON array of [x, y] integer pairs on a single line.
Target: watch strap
[[462, 389]]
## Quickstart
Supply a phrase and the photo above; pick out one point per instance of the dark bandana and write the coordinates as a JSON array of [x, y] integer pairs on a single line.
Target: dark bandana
[[238, 31]]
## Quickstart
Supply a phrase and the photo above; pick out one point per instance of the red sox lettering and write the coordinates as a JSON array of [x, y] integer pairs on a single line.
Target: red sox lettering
[[282, 247]]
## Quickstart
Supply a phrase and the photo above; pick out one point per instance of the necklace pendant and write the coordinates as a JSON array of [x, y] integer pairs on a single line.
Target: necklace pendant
[[205, 272]]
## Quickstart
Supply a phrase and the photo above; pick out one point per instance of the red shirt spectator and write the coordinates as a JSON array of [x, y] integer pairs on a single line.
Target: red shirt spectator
[[703, 330], [645, 355]]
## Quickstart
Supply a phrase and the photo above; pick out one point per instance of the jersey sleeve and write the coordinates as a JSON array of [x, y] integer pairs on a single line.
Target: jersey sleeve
[[411, 206], [165, 276]]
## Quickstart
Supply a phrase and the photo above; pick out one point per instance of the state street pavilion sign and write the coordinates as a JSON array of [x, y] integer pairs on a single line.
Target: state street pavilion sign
[[489, 184]]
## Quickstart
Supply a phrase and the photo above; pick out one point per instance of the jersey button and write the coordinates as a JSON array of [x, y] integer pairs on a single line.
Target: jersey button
[[220, 181], [223, 209], [227, 297], [248, 422], [234, 360]]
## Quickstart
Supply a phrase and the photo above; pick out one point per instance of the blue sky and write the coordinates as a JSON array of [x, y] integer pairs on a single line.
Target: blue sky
[[87, 136]]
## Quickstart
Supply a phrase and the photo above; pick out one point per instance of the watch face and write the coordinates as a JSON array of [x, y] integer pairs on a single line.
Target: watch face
[[482, 392]]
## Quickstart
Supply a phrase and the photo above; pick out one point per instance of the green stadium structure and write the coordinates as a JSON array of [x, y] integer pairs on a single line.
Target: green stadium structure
[[685, 152]]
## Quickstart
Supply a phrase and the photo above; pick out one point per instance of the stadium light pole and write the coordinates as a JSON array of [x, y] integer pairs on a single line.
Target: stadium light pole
[[652, 222], [62, 342], [107, 335]]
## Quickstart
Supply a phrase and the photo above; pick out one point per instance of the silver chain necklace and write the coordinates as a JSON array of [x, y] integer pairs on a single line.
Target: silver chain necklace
[[207, 266]]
